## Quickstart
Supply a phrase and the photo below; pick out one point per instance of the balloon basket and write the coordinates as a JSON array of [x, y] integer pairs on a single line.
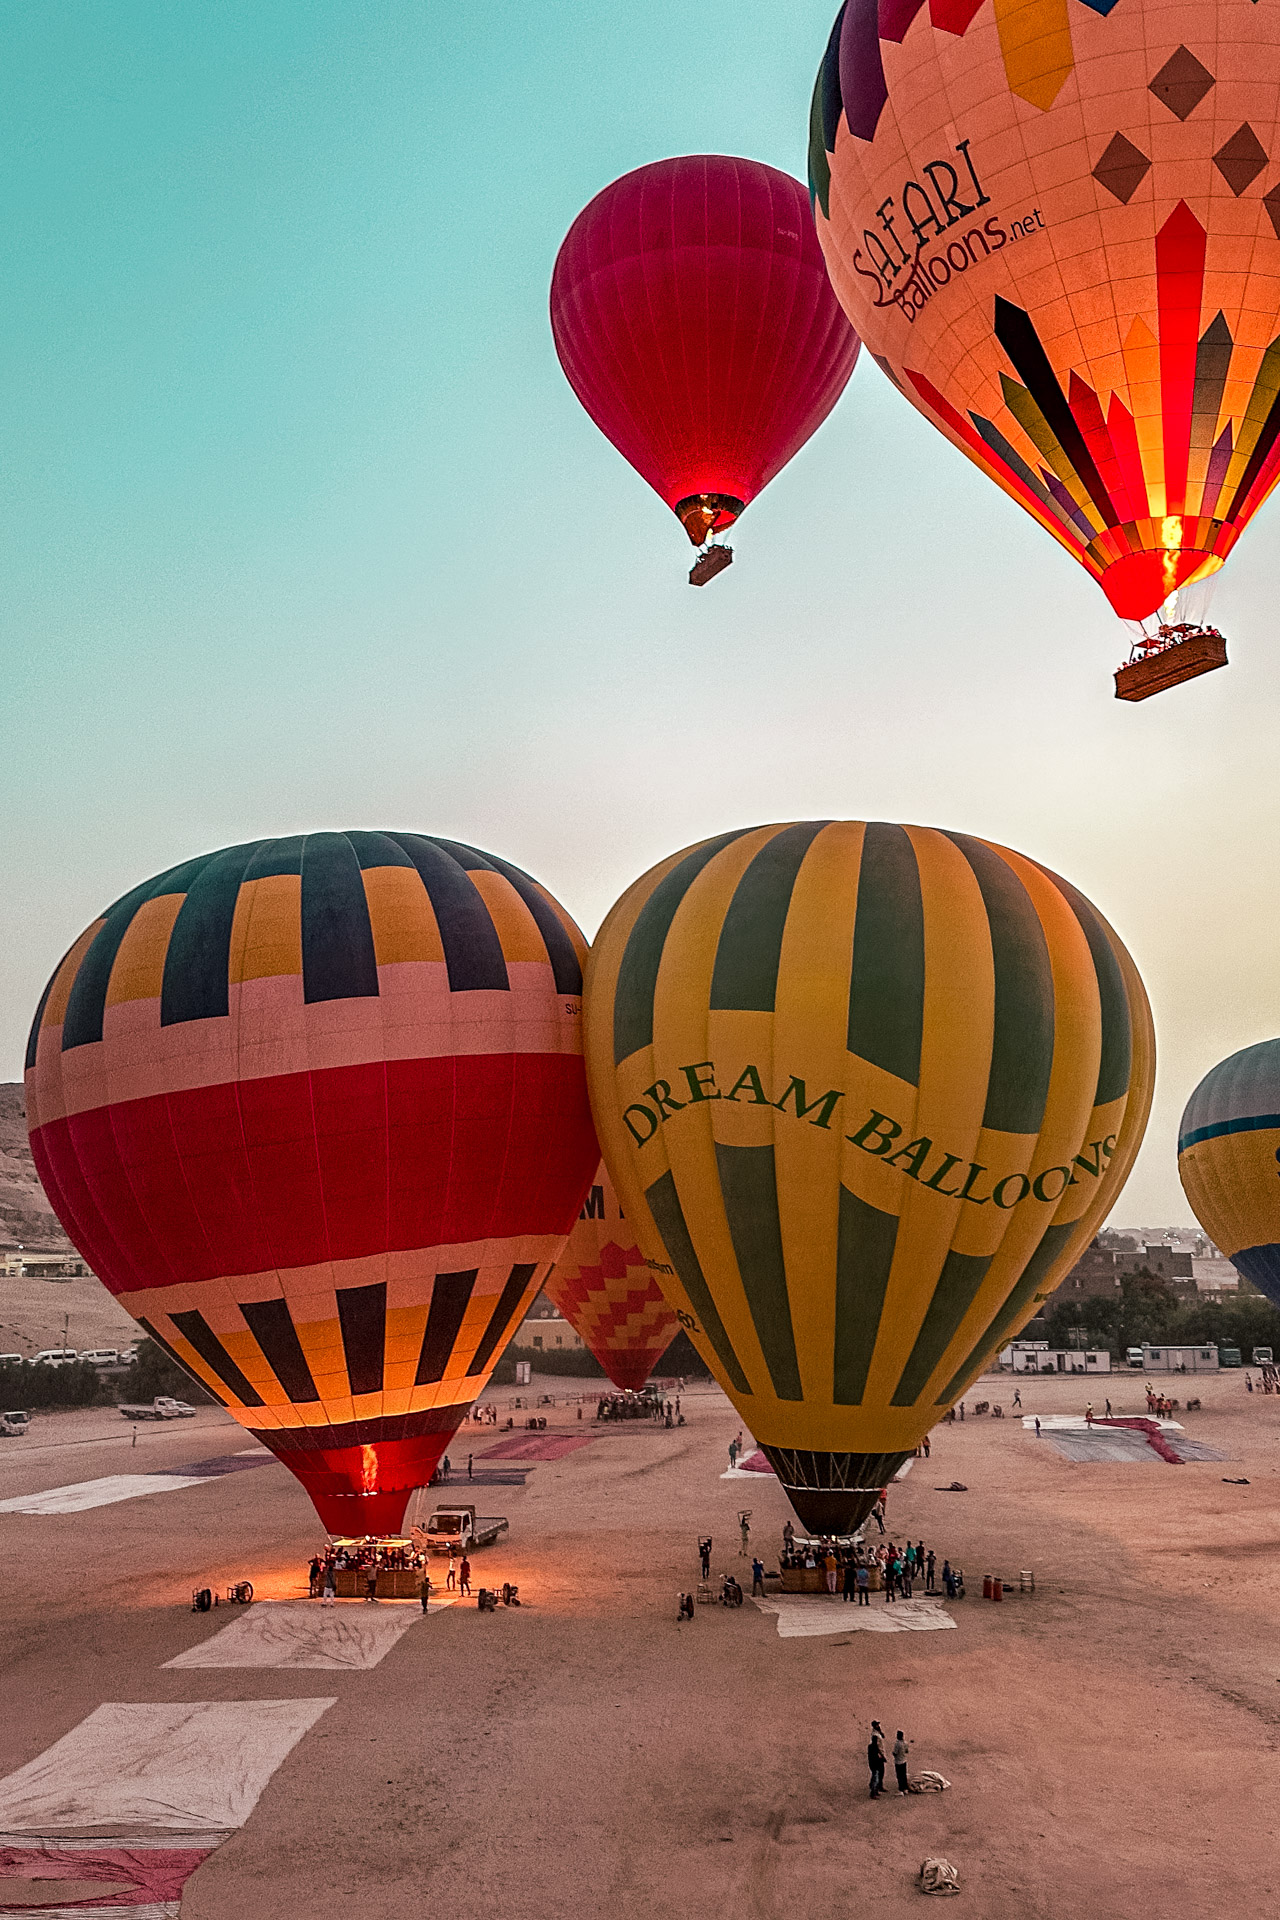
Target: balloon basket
[[708, 564], [1172, 656]]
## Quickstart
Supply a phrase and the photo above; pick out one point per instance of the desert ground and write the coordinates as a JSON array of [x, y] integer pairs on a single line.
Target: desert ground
[[1111, 1740]]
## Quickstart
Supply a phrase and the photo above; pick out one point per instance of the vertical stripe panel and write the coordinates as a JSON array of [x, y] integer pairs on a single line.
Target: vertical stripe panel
[[668, 1217], [886, 990], [750, 944], [638, 967], [472, 949], [958, 1283], [270, 1323], [362, 1316], [197, 963], [450, 1296], [338, 960], [196, 1329], [500, 1319], [749, 1189], [863, 1261], [1022, 1040]]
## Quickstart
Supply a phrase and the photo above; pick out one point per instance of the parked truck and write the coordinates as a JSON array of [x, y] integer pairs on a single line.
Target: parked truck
[[15, 1425], [460, 1529], [163, 1407]]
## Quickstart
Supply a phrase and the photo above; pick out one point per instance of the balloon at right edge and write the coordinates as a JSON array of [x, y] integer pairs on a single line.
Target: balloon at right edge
[[1229, 1161], [866, 1091], [1056, 225]]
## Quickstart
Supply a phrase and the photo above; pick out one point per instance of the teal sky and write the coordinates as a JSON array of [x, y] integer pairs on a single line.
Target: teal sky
[[301, 527]]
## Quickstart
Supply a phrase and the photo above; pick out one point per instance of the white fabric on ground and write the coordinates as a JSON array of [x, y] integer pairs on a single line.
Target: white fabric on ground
[[930, 1782], [938, 1876], [303, 1633], [195, 1767], [102, 1493], [154, 1910], [807, 1614]]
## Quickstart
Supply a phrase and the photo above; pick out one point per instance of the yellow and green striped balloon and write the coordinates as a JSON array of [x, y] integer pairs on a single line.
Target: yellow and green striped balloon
[[865, 1091]]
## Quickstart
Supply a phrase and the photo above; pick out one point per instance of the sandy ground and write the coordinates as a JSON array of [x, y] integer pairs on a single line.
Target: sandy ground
[[32, 1313], [1112, 1735]]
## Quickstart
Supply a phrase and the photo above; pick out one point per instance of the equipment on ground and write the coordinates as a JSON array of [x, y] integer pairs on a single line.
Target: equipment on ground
[[866, 1092]]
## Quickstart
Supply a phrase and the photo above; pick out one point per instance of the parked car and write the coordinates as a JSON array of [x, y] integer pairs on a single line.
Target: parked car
[[54, 1357], [10, 1359], [13, 1426], [102, 1356]]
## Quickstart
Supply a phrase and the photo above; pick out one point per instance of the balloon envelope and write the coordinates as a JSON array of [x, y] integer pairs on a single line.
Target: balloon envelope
[[315, 1110], [606, 1289], [694, 320], [1229, 1161], [868, 1089], [1054, 226]]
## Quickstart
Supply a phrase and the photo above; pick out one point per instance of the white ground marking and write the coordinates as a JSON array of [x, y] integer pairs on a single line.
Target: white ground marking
[[103, 1493], [193, 1767], [809, 1614], [302, 1633]]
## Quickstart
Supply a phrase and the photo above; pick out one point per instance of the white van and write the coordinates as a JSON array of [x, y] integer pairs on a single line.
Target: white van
[[14, 1426], [10, 1359], [54, 1357], [102, 1356]]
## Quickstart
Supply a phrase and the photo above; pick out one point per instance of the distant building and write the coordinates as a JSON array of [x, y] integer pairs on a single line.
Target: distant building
[[1099, 1272], [46, 1266], [1037, 1356], [545, 1333], [1179, 1359]]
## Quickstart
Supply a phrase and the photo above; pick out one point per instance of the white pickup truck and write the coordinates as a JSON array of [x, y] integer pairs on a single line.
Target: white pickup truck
[[14, 1426], [459, 1529], [161, 1408]]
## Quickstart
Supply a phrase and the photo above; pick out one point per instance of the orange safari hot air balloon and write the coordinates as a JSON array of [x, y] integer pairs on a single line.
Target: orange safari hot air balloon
[[315, 1110], [1056, 224], [606, 1289]]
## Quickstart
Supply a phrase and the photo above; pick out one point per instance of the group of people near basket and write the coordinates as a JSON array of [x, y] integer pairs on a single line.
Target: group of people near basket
[[634, 1406], [853, 1569]]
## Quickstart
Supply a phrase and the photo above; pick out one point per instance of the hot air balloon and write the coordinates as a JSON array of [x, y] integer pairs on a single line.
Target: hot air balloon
[[694, 320], [1229, 1161], [605, 1288], [315, 1110], [1057, 228], [867, 1090]]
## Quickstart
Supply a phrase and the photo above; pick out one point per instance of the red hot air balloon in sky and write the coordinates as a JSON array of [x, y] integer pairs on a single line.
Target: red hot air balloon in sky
[[694, 320], [315, 1110]]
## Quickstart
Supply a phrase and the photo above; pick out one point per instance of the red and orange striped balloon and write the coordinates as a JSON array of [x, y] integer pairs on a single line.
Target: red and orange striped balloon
[[607, 1291], [315, 1111]]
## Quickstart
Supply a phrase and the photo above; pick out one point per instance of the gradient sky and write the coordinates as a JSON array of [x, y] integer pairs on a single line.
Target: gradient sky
[[303, 528]]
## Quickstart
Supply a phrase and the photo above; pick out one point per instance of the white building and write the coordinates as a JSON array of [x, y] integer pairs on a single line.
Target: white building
[[1037, 1356], [1179, 1359]]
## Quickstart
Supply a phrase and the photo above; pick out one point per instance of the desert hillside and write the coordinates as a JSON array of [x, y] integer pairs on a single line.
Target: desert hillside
[[25, 1214]]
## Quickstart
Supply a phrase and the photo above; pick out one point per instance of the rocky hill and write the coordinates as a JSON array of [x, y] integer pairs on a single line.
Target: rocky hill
[[25, 1214]]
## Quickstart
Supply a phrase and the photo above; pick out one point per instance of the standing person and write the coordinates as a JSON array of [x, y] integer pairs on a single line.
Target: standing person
[[371, 1581], [470, 1458], [849, 1583], [926, 1445], [314, 1573], [704, 1555], [890, 1575], [1108, 1410], [788, 1537], [1017, 1396], [962, 1411], [1088, 1414], [451, 1580], [745, 1524], [930, 1567], [900, 1750], [1037, 1426], [424, 1591], [1248, 1387], [464, 1575], [876, 1760], [329, 1591], [757, 1578], [864, 1586], [733, 1455], [831, 1567], [877, 1512]]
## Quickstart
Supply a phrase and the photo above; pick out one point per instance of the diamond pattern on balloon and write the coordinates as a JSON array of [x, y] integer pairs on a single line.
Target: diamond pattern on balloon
[[1182, 83], [1241, 160], [1271, 201], [1122, 168]]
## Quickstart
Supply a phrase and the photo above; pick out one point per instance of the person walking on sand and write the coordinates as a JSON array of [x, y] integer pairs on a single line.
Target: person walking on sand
[[470, 1457], [757, 1578], [451, 1579], [876, 1760], [900, 1751], [1037, 1426], [1088, 1414], [464, 1576], [1017, 1396], [704, 1555], [1108, 1415]]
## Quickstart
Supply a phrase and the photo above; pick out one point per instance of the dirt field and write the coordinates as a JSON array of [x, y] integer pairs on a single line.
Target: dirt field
[[1111, 1738], [33, 1311]]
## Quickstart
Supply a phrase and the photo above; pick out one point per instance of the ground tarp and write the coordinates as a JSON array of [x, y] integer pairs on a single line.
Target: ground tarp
[[304, 1634], [804, 1615]]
